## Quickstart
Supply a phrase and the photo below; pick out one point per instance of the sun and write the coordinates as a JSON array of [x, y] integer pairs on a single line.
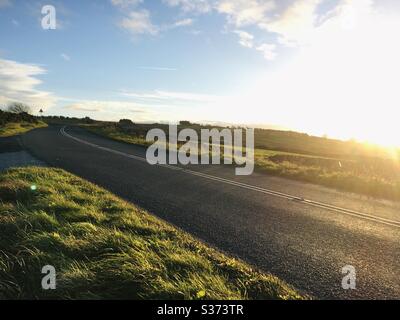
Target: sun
[[342, 82]]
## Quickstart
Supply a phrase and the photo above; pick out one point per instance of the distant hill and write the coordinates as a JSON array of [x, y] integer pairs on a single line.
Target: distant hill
[[290, 141]]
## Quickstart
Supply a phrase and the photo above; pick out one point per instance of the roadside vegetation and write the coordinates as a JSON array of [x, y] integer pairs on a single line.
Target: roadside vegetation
[[105, 248], [15, 128], [345, 165], [373, 177], [117, 132], [17, 120]]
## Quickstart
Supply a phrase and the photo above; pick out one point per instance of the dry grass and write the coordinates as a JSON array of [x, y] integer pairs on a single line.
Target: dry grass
[[14, 128], [368, 176]]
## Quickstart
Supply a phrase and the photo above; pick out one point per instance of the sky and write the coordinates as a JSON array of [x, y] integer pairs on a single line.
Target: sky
[[325, 67]]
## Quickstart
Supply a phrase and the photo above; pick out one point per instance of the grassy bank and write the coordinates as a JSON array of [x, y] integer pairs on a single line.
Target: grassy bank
[[112, 132], [360, 169], [375, 177], [103, 247], [14, 128]]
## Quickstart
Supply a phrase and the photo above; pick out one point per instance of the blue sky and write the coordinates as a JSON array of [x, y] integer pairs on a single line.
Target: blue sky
[[284, 63]]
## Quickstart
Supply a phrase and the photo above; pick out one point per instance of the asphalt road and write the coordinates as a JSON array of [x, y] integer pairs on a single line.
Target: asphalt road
[[305, 244], [13, 155]]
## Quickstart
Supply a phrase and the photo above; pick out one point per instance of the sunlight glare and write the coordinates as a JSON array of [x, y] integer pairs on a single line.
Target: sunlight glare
[[343, 83]]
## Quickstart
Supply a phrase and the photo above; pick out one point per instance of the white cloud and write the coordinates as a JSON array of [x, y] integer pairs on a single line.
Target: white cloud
[[86, 106], [245, 38], [158, 68], [174, 97], [245, 12], [199, 6], [65, 57], [239, 13], [18, 82], [296, 23], [125, 3], [157, 105], [139, 22], [268, 50], [177, 24], [184, 22], [111, 109], [195, 32]]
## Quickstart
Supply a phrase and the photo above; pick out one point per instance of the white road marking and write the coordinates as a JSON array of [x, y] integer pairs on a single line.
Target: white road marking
[[313, 203]]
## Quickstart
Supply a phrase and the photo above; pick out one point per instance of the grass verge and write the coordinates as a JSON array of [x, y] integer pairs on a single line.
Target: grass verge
[[14, 128], [373, 177], [112, 132], [105, 248]]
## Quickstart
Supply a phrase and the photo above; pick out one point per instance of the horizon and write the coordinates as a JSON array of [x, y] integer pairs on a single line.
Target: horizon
[[311, 66], [390, 150]]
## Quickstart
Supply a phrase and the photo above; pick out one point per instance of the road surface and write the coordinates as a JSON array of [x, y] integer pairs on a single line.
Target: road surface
[[13, 155], [304, 243]]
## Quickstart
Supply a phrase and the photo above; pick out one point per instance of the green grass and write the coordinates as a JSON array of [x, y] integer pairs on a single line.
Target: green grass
[[375, 177], [358, 168], [105, 248], [15, 128], [112, 132]]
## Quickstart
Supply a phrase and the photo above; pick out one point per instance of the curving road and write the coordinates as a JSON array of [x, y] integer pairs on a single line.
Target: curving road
[[303, 233]]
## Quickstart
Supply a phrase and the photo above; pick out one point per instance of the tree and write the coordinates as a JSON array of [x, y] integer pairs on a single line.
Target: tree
[[125, 122], [17, 107], [87, 120]]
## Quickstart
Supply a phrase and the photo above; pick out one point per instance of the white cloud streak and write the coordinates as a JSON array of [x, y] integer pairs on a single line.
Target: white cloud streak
[[138, 23], [198, 6], [297, 23], [268, 50], [245, 39], [65, 57], [184, 22], [111, 109], [173, 97], [126, 3], [157, 68], [18, 82], [245, 12]]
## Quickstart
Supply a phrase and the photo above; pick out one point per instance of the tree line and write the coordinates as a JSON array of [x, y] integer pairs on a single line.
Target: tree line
[[17, 112]]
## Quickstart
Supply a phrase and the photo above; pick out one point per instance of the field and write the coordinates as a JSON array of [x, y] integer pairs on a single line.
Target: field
[[104, 248], [345, 165]]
